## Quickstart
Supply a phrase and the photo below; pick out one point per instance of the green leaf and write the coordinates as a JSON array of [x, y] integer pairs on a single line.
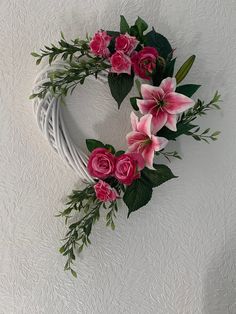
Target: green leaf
[[62, 35], [138, 86], [188, 89], [141, 26], [159, 42], [158, 176], [113, 33], [169, 70], [73, 273], [134, 32], [184, 69], [32, 96], [133, 101], [110, 148], [92, 144], [182, 128], [62, 249], [215, 133], [137, 195], [34, 54], [120, 85], [196, 137], [38, 61], [119, 153], [124, 26]]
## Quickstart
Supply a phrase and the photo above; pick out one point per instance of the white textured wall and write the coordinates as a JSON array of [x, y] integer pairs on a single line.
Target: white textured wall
[[175, 256]]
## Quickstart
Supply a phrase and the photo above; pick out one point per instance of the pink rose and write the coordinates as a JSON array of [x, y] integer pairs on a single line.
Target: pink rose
[[99, 44], [101, 163], [120, 62], [126, 43], [104, 192], [144, 62], [128, 167]]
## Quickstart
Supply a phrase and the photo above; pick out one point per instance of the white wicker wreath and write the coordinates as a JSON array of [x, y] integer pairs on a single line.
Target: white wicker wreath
[[49, 116]]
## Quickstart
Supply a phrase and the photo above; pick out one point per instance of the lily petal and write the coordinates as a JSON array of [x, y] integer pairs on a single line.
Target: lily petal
[[144, 125], [146, 106], [171, 122], [148, 155], [158, 143], [159, 120], [135, 137], [177, 103], [134, 121], [168, 85], [151, 92]]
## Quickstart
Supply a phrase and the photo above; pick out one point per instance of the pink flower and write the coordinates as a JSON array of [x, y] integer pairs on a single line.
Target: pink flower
[[99, 44], [144, 62], [163, 103], [142, 141], [101, 163], [120, 62], [104, 192], [128, 167], [126, 43]]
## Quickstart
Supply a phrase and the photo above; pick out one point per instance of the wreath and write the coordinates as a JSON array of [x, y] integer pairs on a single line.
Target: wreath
[[165, 111]]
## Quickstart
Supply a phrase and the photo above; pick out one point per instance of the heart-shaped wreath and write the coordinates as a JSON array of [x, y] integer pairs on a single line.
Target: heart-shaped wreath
[[166, 111]]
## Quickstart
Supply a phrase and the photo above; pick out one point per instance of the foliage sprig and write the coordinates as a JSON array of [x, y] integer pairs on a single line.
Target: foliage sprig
[[77, 237]]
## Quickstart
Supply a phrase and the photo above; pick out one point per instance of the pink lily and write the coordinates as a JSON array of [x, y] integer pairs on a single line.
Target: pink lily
[[163, 103], [142, 141]]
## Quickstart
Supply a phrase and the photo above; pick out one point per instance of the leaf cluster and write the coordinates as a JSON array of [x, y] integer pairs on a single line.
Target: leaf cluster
[[85, 203], [65, 49], [120, 85], [139, 192]]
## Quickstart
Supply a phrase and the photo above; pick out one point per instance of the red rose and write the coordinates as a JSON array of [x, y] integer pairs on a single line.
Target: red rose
[[128, 166], [120, 62], [144, 62], [99, 43], [101, 163], [126, 43], [104, 192]]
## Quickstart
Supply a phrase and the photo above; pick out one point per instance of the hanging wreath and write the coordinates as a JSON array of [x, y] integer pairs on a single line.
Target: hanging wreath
[[165, 112]]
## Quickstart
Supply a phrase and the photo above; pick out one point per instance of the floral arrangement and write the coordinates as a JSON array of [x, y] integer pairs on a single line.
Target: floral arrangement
[[165, 111]]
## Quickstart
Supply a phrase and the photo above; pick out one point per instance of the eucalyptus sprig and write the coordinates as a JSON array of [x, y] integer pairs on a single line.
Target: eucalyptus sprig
[[77, 237], [168, 155], [204, 136], [201, 108], [64, 48], [62, 81]]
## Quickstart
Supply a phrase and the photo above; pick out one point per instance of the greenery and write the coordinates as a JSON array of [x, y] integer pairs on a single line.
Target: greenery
[[167, 155], [120, 85], [137, 195], [158, 41], [79, 65], [139, 192], [184, 69], [159, 175], [188, 89], [86, 204]]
